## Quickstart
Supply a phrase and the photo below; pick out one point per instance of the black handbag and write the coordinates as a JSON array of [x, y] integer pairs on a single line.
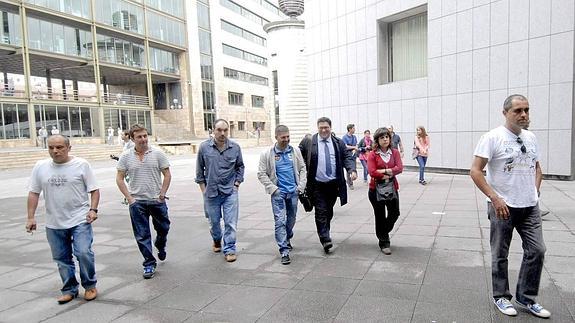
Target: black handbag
[[385, 190], [305, 200]]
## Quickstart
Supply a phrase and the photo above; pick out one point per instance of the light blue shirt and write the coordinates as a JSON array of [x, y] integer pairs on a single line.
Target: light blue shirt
[[284, 169], [321, 175]]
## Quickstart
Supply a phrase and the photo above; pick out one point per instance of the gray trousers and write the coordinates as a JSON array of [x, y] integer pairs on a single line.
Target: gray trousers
[[527, 222]]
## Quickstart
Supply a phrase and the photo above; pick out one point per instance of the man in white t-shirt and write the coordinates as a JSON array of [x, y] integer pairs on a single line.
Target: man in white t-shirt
[[72, 196], [512, 184], [146, 197]]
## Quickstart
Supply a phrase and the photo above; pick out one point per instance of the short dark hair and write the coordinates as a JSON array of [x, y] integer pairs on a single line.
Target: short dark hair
[[367, 131], [509, 101], [350, 126], [281, 129], [136, 128], [324, 119], [380, 132]]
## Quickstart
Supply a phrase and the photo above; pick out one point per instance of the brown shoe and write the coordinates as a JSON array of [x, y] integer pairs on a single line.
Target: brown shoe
[[65, 298], [231, 257], [91, 294], [217, 246]]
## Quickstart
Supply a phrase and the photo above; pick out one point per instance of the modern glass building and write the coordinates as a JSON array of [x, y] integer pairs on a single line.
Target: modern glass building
[[85, 65]]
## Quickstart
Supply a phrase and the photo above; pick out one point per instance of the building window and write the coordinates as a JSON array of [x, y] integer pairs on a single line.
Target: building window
[[246, 77], [235, 98], [242, 54], [403, 47], [231, 28], [241, 125], [257, 101], [244, 12]]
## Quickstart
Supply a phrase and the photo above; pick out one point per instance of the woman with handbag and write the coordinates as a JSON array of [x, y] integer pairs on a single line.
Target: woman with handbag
[[384, 163], [364, 148], [422, 144]]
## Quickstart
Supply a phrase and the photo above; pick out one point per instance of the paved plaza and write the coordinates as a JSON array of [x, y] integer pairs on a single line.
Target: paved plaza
[[439, 270]]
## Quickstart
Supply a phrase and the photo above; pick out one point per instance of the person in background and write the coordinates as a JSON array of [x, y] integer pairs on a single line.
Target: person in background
[[54, 131], [421, 141], [364, 147], [384, 163], [396, 141], [350, 141], [43, 134]]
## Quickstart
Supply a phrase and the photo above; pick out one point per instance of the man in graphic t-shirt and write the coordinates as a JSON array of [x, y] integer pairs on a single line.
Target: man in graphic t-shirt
[[72, 196], [512, 183]]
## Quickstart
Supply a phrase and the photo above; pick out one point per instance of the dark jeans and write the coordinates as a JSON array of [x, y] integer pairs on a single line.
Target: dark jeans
[[324, 197], [383, 224], [140, 211], [364, 165], [421, 160], [527, 222]]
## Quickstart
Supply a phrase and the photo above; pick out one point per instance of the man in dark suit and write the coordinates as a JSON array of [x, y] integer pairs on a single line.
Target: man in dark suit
[[326, 156]]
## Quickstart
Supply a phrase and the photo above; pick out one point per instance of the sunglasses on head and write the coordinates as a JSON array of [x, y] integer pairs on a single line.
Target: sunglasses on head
[[520, 141]]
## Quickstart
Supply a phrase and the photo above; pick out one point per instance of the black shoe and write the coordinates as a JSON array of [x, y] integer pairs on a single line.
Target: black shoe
[[289, 246], [149, 272], [326, 246], [162, 254], [286, 260]]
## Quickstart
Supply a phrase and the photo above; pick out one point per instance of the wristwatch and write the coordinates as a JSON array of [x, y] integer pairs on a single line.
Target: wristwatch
[[95, 210]]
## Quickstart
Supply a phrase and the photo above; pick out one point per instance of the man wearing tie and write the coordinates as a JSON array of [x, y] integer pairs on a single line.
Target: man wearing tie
[[326, 156]]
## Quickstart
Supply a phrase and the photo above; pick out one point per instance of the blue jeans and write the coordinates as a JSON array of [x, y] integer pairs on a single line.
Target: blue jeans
[[225, 206], [527, 222], [140, 211], [75, 241], [284, 207], [421, 160], [364, 165]]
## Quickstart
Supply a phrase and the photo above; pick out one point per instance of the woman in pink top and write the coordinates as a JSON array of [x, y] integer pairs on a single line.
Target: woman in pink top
[[422, 143], [364, 148]]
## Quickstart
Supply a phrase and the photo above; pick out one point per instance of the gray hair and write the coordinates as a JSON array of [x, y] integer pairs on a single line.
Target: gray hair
[[66, 139], [281, 129], [509, 101]]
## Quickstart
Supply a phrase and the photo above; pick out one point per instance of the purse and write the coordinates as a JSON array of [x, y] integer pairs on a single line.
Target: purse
[[385, 191], [414, 151], [306, 201]]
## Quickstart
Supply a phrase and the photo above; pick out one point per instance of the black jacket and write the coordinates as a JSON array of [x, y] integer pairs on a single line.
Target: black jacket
[[343, 159]]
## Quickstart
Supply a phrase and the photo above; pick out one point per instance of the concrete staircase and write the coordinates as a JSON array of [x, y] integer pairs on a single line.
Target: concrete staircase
[[27, 157]]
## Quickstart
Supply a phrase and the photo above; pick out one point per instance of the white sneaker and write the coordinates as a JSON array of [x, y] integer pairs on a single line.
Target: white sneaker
[[505, 306], [535, 309]]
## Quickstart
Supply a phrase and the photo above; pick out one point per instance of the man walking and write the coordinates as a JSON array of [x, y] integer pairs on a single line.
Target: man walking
[[350, 141], [146, 197], [283, 174], [43, 134], [326, 156], [396, 141], [72, 196], [514, 176], [219, 173]]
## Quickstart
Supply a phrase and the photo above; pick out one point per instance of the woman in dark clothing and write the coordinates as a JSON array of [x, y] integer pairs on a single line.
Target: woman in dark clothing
[[384, 163]]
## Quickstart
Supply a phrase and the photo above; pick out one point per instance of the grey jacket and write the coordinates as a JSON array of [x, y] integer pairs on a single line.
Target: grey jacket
[[267, 170]]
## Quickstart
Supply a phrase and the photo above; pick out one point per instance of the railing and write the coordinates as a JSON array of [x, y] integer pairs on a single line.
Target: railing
[[125, 99], [62, 95], [12, 92]]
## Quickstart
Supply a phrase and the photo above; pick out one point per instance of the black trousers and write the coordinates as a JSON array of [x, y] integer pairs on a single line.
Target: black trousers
[[324, 197], [383, 223]]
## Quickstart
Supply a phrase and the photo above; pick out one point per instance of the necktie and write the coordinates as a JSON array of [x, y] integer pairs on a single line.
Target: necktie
[[328, 169]]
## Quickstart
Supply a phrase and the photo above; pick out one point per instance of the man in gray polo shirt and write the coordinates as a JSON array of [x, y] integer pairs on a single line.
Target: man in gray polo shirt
[[147, 195]]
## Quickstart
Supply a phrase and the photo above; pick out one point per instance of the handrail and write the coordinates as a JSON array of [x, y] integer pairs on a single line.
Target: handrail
[[62, 95], [125, 99]]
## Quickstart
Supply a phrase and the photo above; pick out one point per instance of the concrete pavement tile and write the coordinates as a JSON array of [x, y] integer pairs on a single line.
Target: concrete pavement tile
[[50, 284], [270, 279], [13, 243], [95, 311], [553, 225], [457, 277], [122, 242], [419, 230], [299, 268], [35, 310], [376, 288], [561, 265], [430, 312], [565, 284], [154, 315], [396, 272], [408, 255], [140, 291], [344, 268], [335, 285], [10, 298], [366, 228], [561, 236], [556, 248], [221, 274], [34, 247], [400, 240], [305, 306], [6, 269], [458, 258], [459, 232], [434, 221], [205, 317], [460, 222], [454, 243], [190, 296], [375, 309], [358, 246], [101, 249], [338, 226], [251, 261], [22, 275], [448, 296], [248, 224], [246, 301]]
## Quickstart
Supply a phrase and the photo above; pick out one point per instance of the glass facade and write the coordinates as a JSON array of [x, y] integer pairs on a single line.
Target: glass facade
[[120, 14], [78, 8], [244, 12], [72, 121], [58, 38], [173, 7], [124, 118], [164, 61], [238, 31], [11, 31], [242, 54], [246, 77], [119, 51], [166, 29], [14, 121], [206, 65]]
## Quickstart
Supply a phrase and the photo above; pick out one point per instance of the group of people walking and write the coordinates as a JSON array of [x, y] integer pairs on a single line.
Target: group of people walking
[[313, 171]]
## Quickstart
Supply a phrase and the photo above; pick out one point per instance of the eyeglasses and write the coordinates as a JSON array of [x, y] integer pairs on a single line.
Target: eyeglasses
[[520, 141]]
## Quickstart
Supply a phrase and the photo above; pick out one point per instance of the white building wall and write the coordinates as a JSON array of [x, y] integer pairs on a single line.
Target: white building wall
[[479, 52]]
